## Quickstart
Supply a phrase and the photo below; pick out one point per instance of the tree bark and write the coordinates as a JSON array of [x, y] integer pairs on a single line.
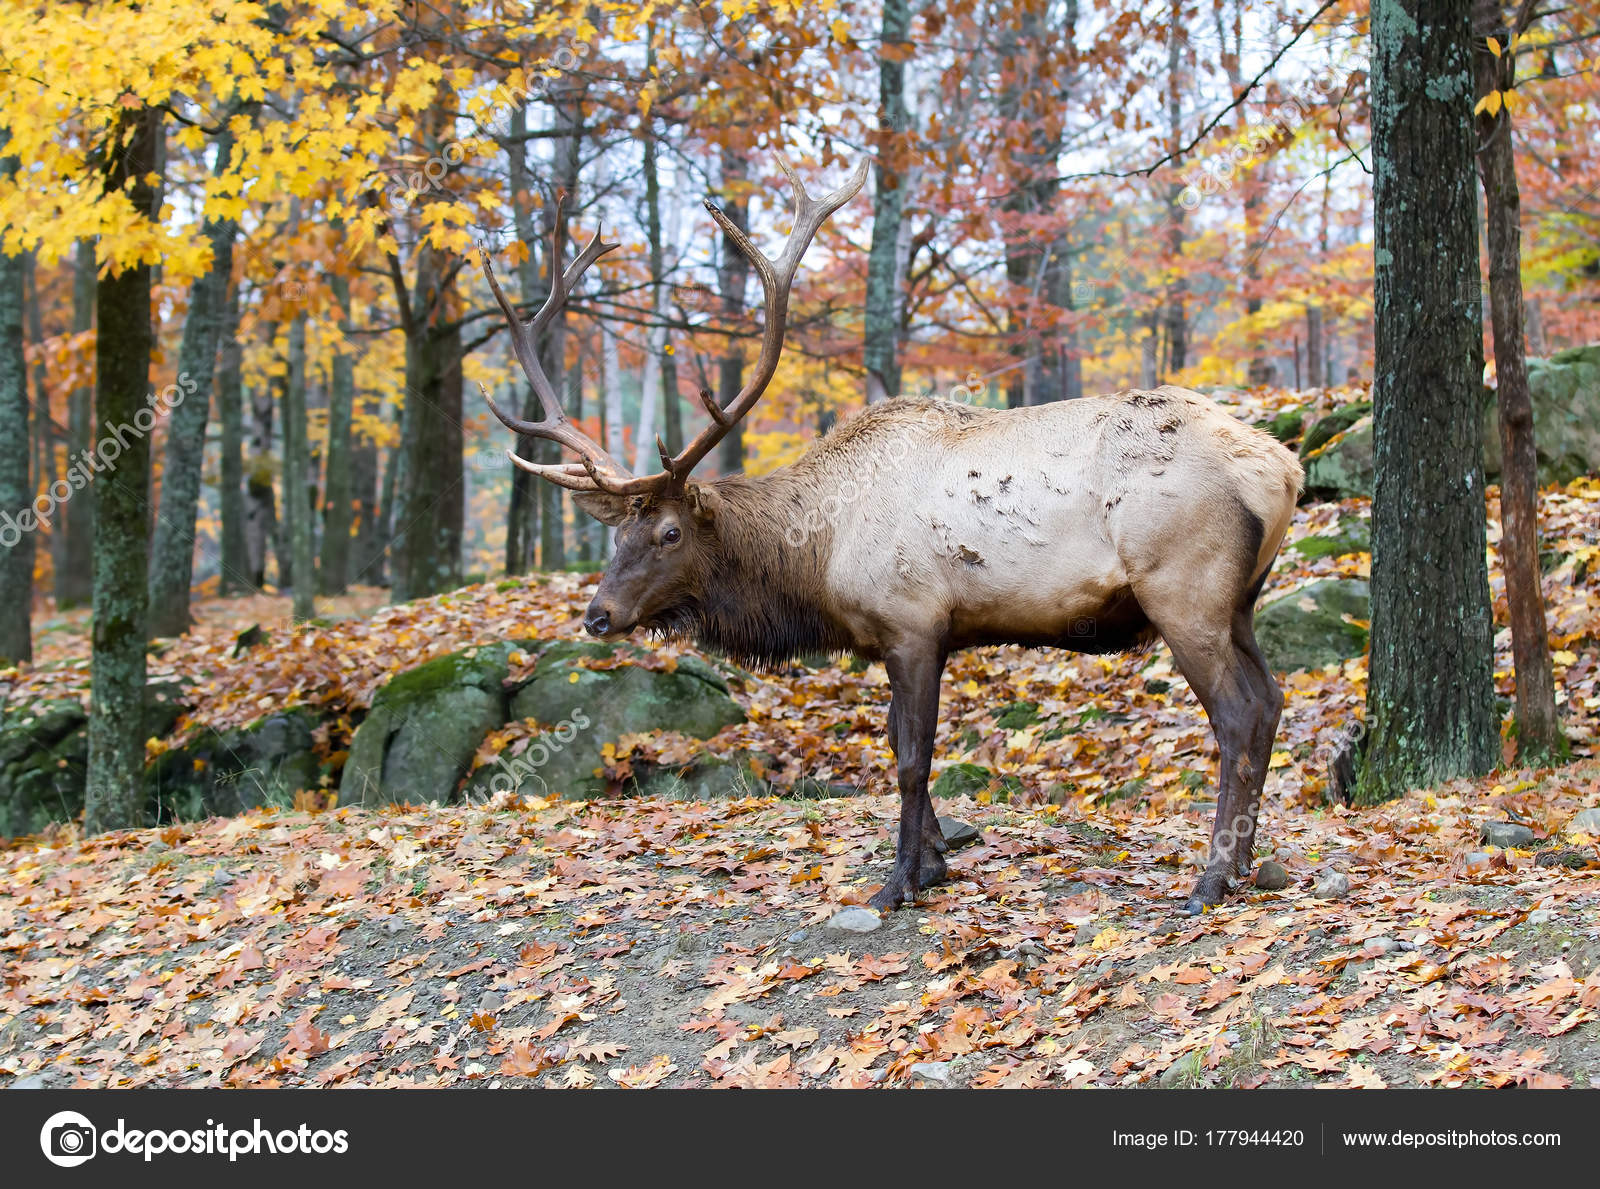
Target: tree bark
[[172, 555], [296, 469], [881, 349], [17, 522], [333, 572], [733, 272], [44, 436], [523, 514], [73, 582], [1539, 737], [234, 567], [1177, 317], [261, 505], [1430, 697], [671, 407], [114, 783]]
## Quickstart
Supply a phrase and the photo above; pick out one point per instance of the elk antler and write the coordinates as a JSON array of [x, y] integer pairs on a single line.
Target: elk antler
[[598, 470]]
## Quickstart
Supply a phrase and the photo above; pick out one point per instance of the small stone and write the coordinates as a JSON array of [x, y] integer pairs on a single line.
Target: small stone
[[855, 920], [1332, 886], [1285, 854], [932, 1071], [1587, 821], [797, 936], [1271, 876], [1387, 945], [394, 925], [1540, 916], [958, 834], [489, 1001], [33, 1081], [1506, 834], [155, 846]]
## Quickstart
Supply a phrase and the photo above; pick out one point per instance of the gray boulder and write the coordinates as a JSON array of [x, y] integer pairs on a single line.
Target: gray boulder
[[44, 755], [1307, 628], [1341, 466], [1565, 392], [224, 772], [418, 740], [582, 709]]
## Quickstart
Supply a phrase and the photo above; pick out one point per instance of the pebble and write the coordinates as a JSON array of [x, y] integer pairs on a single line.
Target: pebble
[[1588, 821], [489, 1001], [957, 833], [1332, 886], [1271, 876], [855, 920], [33, 1081], [1540, 916], [932, 1071], [394, 925], [797, 936], [1506, 834]]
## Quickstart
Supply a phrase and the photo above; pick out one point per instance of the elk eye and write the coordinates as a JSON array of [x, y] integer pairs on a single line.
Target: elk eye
[[671, 536]]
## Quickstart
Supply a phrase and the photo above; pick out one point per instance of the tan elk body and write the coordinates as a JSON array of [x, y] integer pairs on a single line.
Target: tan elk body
[[923, 526]]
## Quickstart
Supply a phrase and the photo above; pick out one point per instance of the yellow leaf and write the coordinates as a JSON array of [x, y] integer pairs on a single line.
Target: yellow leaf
[[1494, 47], [840, 30], [1563, 657]]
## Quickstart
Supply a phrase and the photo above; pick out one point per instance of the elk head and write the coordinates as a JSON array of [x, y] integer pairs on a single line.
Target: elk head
[[666, 522]]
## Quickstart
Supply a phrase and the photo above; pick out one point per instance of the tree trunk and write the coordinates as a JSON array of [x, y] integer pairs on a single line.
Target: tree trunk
[[881, 350], [234, 574], [384, 534], [732, 273], [367, 546], [261, 506], [1177, 318], [425, 545], [45, 476], [1316, 353], [523, 514], [333, 574], [73, 580], [17, 520], [296, 467], [671, 407], [1539, 737], [1430, 697], [172, 555], [114, 784]]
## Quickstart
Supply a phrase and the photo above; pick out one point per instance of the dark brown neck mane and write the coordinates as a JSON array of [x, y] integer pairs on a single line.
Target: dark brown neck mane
[[765, 599]]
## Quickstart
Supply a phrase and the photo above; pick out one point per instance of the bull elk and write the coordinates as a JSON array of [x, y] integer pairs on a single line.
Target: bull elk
[[1093, 525]]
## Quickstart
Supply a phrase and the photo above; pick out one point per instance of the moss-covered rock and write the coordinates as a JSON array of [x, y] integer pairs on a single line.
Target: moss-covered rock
[[1565, 393], [224, 772], [1353, 535], [1311, 627], [593, 707], [1325, 428], [969, 780], [44, 755], [418, 740], [1342, 466], [1286, 426]]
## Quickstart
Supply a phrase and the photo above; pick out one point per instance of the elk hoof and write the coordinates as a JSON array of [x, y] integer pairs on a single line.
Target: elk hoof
[[932, 868], [1210, 890], [891, 896]]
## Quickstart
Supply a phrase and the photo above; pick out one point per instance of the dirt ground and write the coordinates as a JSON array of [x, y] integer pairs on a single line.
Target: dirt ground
[[642, 943]]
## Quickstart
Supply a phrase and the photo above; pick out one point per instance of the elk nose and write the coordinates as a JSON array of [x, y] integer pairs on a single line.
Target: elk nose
[[597, 623]]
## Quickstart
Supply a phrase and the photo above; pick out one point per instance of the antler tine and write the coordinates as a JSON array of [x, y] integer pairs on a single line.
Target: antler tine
[[776, 278], [598, 470]]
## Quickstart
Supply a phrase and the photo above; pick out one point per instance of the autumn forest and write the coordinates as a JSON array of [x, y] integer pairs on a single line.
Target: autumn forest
[[996, 543]]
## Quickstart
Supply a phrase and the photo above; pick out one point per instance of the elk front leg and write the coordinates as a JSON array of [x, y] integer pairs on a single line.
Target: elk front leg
[[913, 717]]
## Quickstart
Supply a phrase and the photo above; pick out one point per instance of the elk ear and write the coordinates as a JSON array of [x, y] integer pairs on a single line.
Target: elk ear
[[603, 506], [703, 501]]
